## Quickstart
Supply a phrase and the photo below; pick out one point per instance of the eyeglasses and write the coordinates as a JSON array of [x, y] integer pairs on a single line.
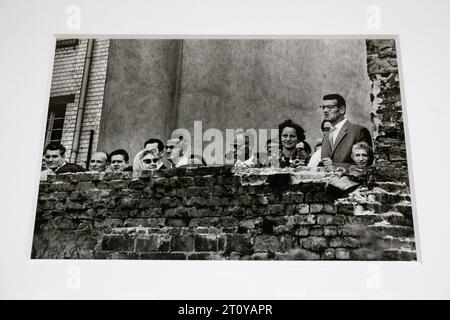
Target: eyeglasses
[[150, 161], [328, 107]]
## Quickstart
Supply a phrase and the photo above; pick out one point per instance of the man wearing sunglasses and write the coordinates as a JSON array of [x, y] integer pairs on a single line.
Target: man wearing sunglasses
[[175, 152], [338, 142]]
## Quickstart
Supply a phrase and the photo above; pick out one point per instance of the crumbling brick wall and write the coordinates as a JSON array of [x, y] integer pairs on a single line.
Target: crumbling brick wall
[[221, 213], [387, 116]]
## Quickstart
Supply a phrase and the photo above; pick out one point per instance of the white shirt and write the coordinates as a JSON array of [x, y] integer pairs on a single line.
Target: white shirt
[[315, 158], [337, 128], [182, 162]]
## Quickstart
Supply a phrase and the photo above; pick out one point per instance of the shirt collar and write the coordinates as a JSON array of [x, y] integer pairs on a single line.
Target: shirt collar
[[340, 124]]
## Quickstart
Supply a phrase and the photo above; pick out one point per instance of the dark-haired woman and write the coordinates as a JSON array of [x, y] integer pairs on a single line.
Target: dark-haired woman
[[295, 150]]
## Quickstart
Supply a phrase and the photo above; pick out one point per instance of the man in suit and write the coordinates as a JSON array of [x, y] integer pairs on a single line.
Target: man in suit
[[337, 144], [54, 159]]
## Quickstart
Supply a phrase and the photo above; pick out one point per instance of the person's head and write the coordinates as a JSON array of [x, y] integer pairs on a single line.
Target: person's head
[[334, 107], [98, 161], [54, 155], [151, 160], [119, 160], [290, 134], [325, 126], [174, 149], [154, 144], [362, 154]]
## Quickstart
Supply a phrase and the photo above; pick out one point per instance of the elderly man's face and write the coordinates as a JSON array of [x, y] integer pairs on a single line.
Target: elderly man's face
[[53, 159], [169, 147], [331, 111], [361, 157], [98, 162], [118, 163]]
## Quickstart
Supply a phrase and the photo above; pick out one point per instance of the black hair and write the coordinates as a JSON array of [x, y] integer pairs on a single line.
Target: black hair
[[121, 152], [55, 146], [334, 96], [159, 142], [291, 124]]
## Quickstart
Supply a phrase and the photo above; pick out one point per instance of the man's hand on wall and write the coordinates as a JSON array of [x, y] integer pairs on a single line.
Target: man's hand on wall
[[327, 162]]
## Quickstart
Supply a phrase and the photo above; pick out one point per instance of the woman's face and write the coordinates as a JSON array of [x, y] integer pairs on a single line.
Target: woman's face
[[150, 161], [289, 138]]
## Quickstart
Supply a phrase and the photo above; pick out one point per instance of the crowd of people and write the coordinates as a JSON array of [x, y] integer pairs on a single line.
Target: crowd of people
[[343, 144]]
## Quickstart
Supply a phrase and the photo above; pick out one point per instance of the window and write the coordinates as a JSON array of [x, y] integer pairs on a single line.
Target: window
[[55, 118]]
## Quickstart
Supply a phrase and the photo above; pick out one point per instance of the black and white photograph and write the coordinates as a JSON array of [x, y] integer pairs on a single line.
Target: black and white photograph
[[225, 149]]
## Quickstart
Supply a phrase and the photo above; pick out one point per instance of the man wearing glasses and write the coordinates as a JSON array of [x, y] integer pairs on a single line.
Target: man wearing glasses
[[175, 153], [337, 144]]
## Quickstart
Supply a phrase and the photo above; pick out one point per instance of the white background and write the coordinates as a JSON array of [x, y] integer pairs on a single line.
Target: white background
[[27, 30]]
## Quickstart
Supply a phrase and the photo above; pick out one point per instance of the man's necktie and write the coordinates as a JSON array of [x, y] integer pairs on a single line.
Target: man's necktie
[[331, 136]]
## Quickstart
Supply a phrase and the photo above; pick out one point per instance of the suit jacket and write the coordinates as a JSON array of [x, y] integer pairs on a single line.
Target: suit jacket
[[349, 135], [69, 168]]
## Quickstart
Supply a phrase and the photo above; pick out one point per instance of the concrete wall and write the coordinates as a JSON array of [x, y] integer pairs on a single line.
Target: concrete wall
[[228, 84], [139, 93]]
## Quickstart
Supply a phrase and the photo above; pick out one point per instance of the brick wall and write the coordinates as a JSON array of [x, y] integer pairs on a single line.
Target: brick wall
[[387, 116], [220, 213], [67, 77]]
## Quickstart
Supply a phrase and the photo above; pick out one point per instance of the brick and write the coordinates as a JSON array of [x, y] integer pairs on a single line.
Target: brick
[[328, 254], [344, 242], [204, 222], [176, 222], [61, 186], [301, 231], [315, 208], [301, 220], [342, 254], [118, 184], [205, 242], [303, 208], [182, 243], [112, 243], [276, 209], [365, 254], [162, 256], [330, 231], [266, 243], [345, 208], [313, 243], [238, 243], [204, 180], [200, 256], [297, 254], [176, 182]]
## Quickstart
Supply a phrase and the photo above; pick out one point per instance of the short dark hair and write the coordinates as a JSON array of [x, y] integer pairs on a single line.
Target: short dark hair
[[334, 96], [159, 142], [121, 152], [291, 124], [55, 146]]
